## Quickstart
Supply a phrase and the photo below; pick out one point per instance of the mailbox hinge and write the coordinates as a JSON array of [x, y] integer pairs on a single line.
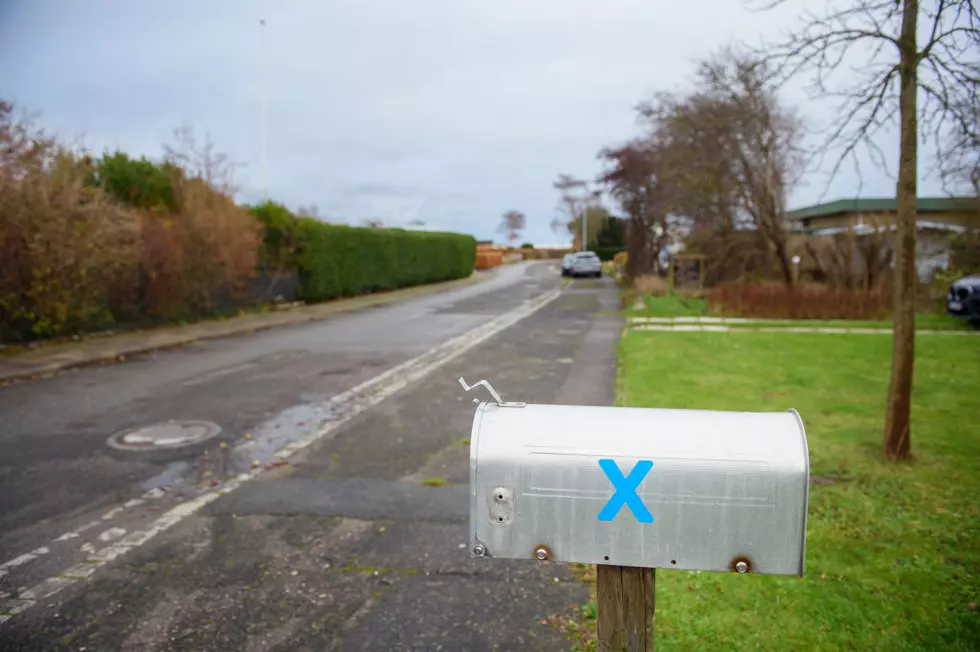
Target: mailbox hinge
[[493, 393]]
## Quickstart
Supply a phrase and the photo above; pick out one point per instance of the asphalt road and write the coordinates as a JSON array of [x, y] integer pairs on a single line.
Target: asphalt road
[[311, 526]]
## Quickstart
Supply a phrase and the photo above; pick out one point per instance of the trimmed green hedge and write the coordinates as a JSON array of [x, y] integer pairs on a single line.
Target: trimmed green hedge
[[338, 261]]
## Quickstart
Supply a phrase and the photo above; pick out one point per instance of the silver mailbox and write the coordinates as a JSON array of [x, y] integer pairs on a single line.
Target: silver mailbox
[[657, 488]]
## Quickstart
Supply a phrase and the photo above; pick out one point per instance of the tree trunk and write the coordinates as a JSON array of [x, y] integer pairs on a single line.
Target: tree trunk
[[636, 250], [783, 257], [897, 426]]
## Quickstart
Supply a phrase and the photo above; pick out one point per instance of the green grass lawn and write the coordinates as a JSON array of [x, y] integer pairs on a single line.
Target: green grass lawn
[[893, 550], [677, 306], [671, 306]]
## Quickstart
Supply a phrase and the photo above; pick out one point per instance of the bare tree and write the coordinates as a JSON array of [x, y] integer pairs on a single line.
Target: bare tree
[[857, 258], [763, 145], [959, 166], [202, 160], [734, 152], [570, 202], [511, 225], [893, 71], [636, 179]]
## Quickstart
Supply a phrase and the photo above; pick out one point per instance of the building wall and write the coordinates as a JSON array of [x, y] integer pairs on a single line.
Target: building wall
[[963, 219], [931, 253]]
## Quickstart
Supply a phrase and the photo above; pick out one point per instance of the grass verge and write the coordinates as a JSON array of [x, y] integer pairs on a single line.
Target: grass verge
[[893, 550], [672, 305]]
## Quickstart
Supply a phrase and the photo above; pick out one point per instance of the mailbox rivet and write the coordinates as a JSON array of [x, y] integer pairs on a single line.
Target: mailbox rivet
[[479, 550], [741, 567], [542, 553]]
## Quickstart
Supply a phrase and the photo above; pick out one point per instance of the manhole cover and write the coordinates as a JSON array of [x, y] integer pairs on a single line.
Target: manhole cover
[[166, 439]]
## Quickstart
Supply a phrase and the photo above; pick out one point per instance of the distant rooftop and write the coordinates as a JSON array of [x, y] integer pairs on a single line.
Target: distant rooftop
[[923, 205]]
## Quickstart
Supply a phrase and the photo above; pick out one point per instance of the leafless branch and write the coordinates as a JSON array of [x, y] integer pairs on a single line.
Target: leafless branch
[[858, 32]]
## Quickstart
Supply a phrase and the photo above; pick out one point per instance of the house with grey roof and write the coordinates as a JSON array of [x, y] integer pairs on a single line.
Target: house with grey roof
[[937, 220]]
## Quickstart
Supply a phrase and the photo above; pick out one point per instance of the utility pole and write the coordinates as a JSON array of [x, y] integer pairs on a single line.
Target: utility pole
[[262, 110], [585, 222]]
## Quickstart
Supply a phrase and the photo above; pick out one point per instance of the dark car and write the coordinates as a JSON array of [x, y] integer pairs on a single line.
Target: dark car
[[963, 299]]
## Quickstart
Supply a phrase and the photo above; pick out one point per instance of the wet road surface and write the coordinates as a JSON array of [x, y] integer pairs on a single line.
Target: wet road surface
[[341, 544]]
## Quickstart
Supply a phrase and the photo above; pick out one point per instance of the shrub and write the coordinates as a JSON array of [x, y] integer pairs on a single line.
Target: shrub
[[219, 245], [280, 240], [337, 261], [527, 245], [139, 183], [732, 256], [545, 254], [780, 301], [851, 260], [88, 242], [607, 253], [68, 250], [964, 251]]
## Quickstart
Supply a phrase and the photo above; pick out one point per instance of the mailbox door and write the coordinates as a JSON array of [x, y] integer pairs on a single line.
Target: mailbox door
[[640, 487]]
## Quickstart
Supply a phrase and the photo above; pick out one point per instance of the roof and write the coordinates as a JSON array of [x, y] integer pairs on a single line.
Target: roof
[[923, 205]]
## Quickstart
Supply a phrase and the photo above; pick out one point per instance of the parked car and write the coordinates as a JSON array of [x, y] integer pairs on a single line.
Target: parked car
[[566, 264], [963, 299], [586, 263]]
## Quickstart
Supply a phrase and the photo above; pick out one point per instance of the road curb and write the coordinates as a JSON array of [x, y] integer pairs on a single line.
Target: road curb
[[49, 360]]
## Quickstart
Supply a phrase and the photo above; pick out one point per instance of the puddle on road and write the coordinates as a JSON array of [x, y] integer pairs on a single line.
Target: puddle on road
[[172, 474], [258, 448], [271, 435]]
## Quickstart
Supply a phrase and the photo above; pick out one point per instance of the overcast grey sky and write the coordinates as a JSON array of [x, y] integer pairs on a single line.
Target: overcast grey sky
[[449, 111]]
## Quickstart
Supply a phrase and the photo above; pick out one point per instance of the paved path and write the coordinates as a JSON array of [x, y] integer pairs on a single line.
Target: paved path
[[717, 328], [733, 324], [331, 541]]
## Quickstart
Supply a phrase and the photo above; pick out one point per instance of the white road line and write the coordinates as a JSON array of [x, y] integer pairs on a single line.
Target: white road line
[[346, 406], [17, 561]]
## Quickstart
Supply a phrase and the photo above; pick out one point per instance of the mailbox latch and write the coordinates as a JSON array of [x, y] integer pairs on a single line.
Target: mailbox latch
[[493, 393]]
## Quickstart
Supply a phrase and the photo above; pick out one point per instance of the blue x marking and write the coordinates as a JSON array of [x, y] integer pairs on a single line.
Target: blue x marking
[[626, 491]]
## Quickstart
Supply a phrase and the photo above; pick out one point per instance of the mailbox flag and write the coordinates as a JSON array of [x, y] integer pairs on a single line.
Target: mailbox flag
[[626, 490]]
